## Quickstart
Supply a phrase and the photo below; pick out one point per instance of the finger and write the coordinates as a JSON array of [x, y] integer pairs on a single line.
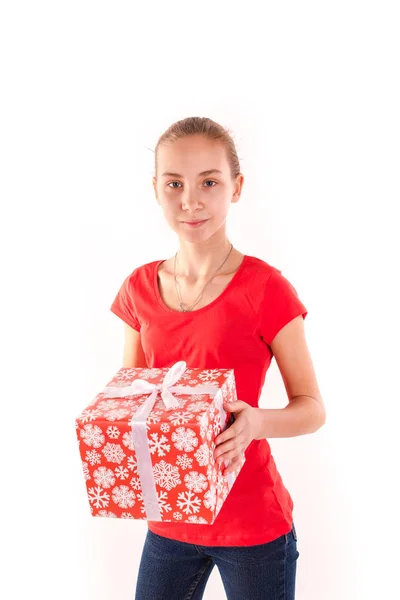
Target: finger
[[221, 446], [229, 451], [236, 460], [225, 447], [233, 431]]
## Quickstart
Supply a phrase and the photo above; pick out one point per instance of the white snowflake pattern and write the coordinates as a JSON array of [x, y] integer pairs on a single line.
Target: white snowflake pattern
[[177, 516], [154, 417], [225, 492], [219, 504], [187, 374], [93, 457], [125, 515], [127, 440], [165, 427], [104, 477], [179, 418], [162, 502], [166, 475], [197, 398], [116, 414], [184, 461], [182, 401], [199, 406], [125, 374], [106, 405], [212, 473], [202, 455], [98, 497], [203, 421], [210, 497], [123, 497], [220, 485], [121, 472], [195, 481], [105, 513], [188, 502], [92, 435], [158, 445], [210, 375], [90, 414], [210, 432], [135, 483], [184, 439], [132, 463], [128, 402], [86, 473], [113, 453], [113, 432], [196, 519], [151, 373], [216, 426]]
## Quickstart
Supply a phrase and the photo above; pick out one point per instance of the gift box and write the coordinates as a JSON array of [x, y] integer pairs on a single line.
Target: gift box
[[147, 444]]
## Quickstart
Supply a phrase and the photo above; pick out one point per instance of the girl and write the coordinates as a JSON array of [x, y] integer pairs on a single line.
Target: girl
[[215, 307]]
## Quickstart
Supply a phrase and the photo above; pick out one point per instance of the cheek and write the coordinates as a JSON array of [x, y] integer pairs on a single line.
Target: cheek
[[169, 210], [220, 213], [170, 215]]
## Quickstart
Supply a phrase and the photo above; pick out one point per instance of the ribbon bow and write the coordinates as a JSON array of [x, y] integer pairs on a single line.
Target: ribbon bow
[[166, 387], [139, 419]]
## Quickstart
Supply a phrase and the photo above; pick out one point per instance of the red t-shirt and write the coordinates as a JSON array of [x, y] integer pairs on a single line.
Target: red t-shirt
[[234, 332]]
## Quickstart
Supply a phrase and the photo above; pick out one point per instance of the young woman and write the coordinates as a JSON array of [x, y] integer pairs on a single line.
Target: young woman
[[215, 307]]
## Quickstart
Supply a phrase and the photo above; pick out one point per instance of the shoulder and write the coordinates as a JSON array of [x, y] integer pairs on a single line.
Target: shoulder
[[261, 270], [268, 285], [142, 274]]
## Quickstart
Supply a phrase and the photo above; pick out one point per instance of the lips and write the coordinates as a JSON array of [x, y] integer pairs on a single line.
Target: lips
[[198, 221]]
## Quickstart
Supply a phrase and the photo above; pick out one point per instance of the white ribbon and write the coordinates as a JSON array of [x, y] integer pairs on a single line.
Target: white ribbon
[[139, 430]]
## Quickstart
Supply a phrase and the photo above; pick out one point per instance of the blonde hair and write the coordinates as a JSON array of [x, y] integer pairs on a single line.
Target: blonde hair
[[201, 126]]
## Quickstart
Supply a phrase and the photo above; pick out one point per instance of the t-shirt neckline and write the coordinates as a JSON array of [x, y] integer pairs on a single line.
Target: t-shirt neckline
[[166, 308]]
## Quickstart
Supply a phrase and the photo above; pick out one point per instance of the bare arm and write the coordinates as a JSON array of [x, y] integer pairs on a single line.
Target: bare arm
[[133, 355], [305, 411]]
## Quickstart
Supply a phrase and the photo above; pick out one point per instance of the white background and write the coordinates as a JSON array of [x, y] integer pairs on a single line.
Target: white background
[[310, 91]]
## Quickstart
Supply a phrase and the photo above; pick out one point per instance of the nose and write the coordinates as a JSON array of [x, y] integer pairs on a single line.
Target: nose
[[191, 202]]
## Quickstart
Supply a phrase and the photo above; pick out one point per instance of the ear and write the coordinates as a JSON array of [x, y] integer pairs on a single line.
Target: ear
[[238, 187]]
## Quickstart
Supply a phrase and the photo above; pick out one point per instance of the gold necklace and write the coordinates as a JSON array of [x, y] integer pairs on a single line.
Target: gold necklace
[[181, 304]]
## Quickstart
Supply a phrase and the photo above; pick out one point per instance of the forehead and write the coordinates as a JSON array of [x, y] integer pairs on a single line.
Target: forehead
[[192, 154]]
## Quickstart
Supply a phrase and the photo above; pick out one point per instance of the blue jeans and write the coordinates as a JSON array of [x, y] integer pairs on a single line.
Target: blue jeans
[[174, 570]]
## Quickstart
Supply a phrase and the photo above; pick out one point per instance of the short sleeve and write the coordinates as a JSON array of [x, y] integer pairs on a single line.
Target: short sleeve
[[280, 304], [123, 304]]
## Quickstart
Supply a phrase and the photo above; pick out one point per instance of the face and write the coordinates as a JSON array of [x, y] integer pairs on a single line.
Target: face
[[187, 189]]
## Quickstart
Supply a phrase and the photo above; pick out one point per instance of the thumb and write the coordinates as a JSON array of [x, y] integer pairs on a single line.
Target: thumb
[[235, 406]]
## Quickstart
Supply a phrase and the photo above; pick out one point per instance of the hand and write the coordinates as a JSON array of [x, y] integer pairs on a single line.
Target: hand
[[233, 441]]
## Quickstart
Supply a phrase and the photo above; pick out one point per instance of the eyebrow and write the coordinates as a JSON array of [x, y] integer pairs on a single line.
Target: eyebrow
[[208, 172]]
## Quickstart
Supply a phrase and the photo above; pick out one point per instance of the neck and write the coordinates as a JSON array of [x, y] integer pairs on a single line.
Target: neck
[[198, 263]]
